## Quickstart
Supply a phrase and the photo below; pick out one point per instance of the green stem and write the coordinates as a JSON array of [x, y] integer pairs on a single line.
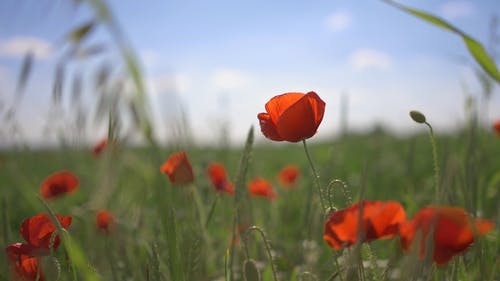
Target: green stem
[[315, 175], [267, 246], [435, 160]]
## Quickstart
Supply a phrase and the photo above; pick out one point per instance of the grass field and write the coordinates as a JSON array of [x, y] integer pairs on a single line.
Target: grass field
[[160, 233]]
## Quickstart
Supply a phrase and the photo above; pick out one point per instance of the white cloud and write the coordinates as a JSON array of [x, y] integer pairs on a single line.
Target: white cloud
[[456, 9], [369, 59], [230, 79], [19, 46], [177, 83], [338, 21]]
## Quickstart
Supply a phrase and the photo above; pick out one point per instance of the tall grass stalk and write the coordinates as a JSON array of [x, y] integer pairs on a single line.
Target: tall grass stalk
[[241, 197]]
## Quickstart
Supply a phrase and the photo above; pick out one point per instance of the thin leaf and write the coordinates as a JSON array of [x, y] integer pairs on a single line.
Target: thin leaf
[[475, 48]]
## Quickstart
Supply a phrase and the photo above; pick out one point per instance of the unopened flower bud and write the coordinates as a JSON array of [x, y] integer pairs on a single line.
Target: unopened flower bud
[[417, 116]]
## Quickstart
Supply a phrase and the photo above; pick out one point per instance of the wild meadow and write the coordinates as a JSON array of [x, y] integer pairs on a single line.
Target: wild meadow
[[360, 206]]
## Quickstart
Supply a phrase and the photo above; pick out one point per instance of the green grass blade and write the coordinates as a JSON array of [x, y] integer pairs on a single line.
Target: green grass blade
[[475, 48], [174, 257]]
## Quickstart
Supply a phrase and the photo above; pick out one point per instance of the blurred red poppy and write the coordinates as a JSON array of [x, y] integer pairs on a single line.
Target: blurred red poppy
[[218, 176], [99, 147], [58, 184], [178, 169], [496, 127], [378, 220], [105, 221], [23, 267], [261, 187], [288, 175], [22, 249], [37, 231], [292, 116], [453, 231]]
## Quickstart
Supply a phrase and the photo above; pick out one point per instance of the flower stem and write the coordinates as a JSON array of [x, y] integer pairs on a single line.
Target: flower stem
[[435, 159], [315, 175], [267, 246]]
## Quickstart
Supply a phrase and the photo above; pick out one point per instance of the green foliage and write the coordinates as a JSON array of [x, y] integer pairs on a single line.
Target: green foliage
[[160, 235]]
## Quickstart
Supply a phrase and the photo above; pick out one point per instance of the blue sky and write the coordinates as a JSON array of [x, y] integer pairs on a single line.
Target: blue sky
[[222, 60]]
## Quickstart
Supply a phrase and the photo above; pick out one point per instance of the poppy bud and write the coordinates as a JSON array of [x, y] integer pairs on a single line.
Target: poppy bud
[[417, 116]]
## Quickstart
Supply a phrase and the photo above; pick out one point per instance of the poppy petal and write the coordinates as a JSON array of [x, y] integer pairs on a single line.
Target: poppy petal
[[99, 147], [261, 187], [268, 128], [218, 176], [496, 127], [58, 184], [288, 175], [379, 220], [277, 105], [453, 231], [37, 230], [105, 221], [301, 119], [178, 169]]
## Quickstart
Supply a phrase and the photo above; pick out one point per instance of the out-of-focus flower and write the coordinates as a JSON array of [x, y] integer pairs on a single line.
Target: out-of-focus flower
[[58, 184], [261, 187], [496, 127], [105, 221], [218, 177], [452, 230], [178, 169], [378, 220], [37, 231], [292, 116], [99, 147], [288, 176], [23, 267]]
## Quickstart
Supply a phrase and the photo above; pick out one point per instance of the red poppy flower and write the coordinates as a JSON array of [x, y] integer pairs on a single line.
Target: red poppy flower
[[288, 175], [23, 267], [454, 231], [105, 221], [218, 176], [292, 116], [261, 187], [99, 147], [58, 184], [37, 231], [178, 168], [21, 249], [379, 220], [496, 127]]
